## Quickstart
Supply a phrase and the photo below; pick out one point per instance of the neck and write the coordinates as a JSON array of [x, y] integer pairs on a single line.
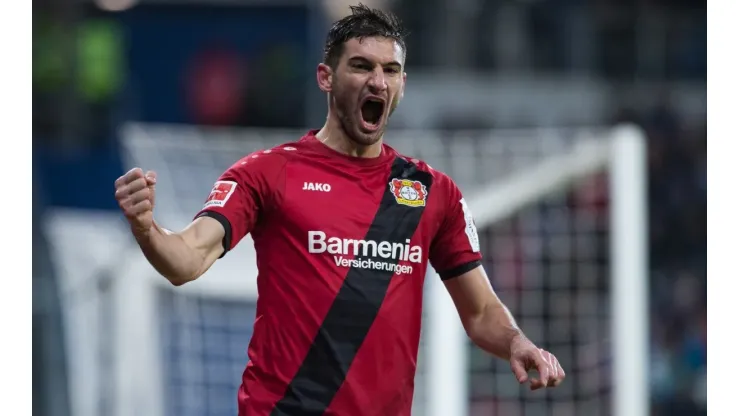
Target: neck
[[335, 137]]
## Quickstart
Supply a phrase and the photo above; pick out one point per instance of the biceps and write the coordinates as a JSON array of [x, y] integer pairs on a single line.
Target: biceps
[[472, 293], [205, 236]]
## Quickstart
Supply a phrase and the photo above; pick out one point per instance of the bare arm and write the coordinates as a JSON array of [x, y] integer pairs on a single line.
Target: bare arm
[[486, 319], [455, 254], [180, 257], [491, 327], [183, 256]]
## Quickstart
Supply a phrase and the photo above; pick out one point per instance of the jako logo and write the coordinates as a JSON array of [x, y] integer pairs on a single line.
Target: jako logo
[[315, 186], [377, 251]]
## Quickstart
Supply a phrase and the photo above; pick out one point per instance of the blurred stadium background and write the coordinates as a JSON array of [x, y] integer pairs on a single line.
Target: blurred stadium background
[[496, 89]]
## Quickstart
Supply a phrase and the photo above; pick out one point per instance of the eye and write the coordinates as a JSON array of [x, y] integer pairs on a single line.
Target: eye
[[392, 70], [362, 66]]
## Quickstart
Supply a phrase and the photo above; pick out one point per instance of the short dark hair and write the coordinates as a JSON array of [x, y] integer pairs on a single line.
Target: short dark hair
[[363, 22]]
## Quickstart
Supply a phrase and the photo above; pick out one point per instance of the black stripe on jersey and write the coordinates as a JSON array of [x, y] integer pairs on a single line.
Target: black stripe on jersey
[[354, 309], [226, 242], [457, 271]]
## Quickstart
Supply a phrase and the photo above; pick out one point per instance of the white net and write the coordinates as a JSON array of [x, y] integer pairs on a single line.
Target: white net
[[541, 206], [548, 263]]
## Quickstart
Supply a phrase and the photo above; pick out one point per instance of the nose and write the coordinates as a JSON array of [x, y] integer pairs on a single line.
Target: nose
[[377, 83]]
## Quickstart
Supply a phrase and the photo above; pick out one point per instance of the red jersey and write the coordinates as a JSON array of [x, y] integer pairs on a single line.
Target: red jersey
[[342, 248]]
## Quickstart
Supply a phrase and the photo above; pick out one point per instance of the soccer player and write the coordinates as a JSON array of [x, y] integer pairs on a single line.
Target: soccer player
[[343, 227]]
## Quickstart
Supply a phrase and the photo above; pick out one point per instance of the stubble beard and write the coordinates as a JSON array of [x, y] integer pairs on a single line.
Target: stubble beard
[[347, 115], [354, 131]]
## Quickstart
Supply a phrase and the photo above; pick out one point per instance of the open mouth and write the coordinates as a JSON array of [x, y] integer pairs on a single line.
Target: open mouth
[[372, 112]]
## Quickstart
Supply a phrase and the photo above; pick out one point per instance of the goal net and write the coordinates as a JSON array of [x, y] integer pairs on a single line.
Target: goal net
[[561, 219]]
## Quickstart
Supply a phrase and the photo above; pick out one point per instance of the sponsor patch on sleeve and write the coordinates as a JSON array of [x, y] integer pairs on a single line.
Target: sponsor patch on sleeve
[[220, 193], [470, 229]]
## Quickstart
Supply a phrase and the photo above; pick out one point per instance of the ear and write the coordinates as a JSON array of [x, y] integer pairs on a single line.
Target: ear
[[403, 88], [324, 75]]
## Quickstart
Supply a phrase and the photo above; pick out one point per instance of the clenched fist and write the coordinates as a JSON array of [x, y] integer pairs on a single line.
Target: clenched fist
[[135, 196]]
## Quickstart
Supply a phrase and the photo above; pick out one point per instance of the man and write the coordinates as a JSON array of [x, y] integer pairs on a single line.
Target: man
[[343, 227]]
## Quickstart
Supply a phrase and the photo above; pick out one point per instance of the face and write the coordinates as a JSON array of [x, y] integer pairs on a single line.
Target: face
[[365, 87]]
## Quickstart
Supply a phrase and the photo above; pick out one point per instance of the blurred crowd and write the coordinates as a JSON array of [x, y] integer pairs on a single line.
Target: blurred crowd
[[677, 243], [678, 238]]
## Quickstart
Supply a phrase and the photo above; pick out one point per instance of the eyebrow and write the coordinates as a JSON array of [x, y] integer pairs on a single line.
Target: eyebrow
[[364, 60]]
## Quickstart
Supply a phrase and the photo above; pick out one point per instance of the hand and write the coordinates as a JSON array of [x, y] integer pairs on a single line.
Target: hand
[[135, 196], [525, 356]]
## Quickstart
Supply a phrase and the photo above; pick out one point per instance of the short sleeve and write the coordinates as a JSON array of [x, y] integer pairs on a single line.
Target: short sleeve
[[455, 248], [243, 194]]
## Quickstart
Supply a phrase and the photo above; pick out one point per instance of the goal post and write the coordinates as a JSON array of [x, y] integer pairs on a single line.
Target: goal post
[[574, 278], [621, 152], [630, 272]]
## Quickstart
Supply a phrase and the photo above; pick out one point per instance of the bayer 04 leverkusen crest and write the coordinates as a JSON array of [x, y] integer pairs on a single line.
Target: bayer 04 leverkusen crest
[[411, 193]]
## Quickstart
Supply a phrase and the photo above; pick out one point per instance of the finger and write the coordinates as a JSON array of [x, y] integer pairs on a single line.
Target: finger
[[550, 382], [560, 372], [119, 182], [129, 193], [125, 192], [536, 384], [126, 177], [519, 371], [133, 175], [543, 367], [128, 204], [553, 368], [151, 177], [138, 209], [136, 186], [139, 196]]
